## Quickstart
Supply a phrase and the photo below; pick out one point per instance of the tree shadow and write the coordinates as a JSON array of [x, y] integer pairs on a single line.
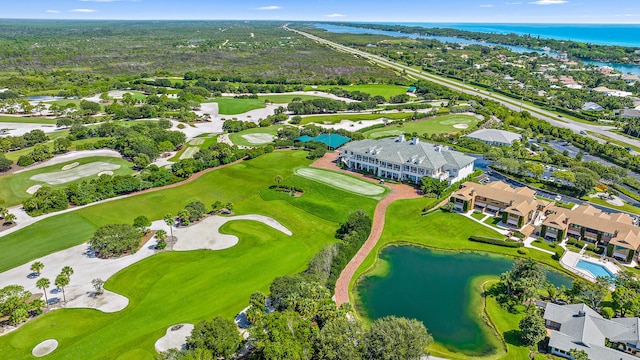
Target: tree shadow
[[512, 337]]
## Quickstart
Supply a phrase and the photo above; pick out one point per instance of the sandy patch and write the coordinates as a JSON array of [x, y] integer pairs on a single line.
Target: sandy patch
[[260, 138], [63, 177], [611, 200], [461, 126], [72, 155], [206, 234], [70, 166], [110, 173], [174, 339], [196, 142], [81, 294], [353, 125], [45, 348], [189, 152], [32, 190], [341, 181], [19, 129]]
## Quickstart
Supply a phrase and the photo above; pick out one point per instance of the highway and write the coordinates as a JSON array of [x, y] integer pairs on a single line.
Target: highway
[[512, 104]]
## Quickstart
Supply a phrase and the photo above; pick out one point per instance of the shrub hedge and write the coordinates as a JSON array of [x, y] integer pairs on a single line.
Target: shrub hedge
[[499, 242]]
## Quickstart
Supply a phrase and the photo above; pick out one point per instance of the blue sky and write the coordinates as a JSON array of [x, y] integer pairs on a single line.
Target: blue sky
[[503, 11]]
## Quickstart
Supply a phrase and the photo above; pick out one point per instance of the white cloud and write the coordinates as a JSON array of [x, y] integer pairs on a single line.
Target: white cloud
[[53, 11], [486, 5], [271, 7], [83, 10], [335, 15], [513, 3], [549, 2]]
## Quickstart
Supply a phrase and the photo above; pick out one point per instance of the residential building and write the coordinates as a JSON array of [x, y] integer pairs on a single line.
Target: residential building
[[591, 106], [630, 113], [577, 326], [398, 159], [630, 79], [495, 137], [616, 231], [612, 92], [517, 206]]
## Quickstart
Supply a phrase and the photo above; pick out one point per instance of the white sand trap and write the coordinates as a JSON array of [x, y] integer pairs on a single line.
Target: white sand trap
[[353, 125], [45, 348], [70, 166], [206, 234], [341, 181], [189, 152], [196, 142], [63, 177], [72, 155], [110, 173], [461, 126], [174, 339], [260, 138], [32, 190]]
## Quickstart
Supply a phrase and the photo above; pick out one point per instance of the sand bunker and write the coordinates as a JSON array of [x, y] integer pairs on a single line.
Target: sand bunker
[[174, 339], [32, 190], [79, 172], [341, 181], [461, 126], [206, 234], [189, 152], [45, 348], [110, 173], [70, 166], [260, 138]]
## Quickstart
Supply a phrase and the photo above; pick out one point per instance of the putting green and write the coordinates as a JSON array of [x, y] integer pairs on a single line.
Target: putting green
[[341, 181], [77, 172], [438, 125]]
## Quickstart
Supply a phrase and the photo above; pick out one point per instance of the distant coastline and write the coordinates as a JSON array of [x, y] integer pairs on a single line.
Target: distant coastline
[[602, 34]]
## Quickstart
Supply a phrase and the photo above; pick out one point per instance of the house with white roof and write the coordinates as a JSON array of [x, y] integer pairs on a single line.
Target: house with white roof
[[495, 137], [577, 326], [399, 159], [591, 106]]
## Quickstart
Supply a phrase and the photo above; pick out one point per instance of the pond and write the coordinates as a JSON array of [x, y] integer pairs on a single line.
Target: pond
[[435, 287]]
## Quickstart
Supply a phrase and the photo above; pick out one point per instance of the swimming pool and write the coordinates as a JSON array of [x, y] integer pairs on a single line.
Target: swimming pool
[[595, 269]]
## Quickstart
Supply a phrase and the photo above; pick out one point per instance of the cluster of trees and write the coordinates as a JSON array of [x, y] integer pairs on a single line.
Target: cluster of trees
[[7, 217], [193, 211], [322, 106], [356, 95], [302, 322], [114, 240], [431, 186], [18, 304], [632, 127], [33, 137], [215, 155], [46, 200]]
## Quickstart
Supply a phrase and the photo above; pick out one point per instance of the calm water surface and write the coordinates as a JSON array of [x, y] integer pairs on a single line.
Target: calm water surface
[[434, 287]]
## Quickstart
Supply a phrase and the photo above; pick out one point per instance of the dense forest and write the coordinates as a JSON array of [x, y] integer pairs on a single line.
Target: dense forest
[[44, 55]]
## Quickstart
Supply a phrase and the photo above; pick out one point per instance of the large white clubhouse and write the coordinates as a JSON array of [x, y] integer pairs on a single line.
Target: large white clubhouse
[[398, 159]]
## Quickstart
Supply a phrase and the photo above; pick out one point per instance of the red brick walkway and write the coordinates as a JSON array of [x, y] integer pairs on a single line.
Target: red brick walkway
[[398, 192]]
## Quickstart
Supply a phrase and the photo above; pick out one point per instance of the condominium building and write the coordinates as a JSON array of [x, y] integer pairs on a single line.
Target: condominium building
[[399, 159]]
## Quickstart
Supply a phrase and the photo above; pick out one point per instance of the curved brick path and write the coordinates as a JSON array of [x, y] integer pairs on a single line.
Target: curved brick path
[[398, 192]]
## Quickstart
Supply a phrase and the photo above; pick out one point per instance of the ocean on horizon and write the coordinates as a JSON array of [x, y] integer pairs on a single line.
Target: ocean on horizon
[[603, 34]]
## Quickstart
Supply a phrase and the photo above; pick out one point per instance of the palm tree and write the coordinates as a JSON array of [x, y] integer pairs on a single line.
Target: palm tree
[[37, 267], [67, 271], [9, 218], [44, 284], [170, 220], [62, 280]]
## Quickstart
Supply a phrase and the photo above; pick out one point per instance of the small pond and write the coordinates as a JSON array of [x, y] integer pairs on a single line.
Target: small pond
[[435, 288]]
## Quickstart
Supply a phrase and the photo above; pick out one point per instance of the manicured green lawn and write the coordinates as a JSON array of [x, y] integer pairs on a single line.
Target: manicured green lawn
[[372, 89], [238, 139], [438, 125], [177, 287], [13, 187], [333, 119], [342, 181], [232, 106], [478, 215], [25, 120]]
